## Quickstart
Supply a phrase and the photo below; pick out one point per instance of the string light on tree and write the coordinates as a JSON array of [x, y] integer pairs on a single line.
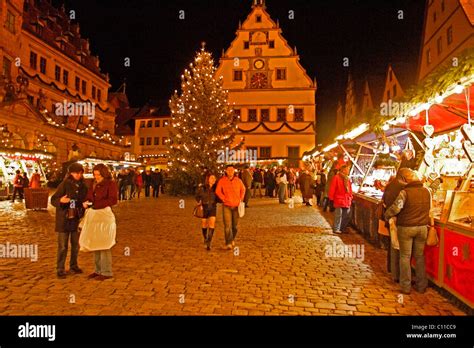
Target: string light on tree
[[200, 112]]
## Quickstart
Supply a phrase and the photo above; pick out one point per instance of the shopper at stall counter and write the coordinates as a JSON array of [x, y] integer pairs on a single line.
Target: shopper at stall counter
[[68, 200], [17, 186], [393, 189], [35, 181], [412, 208], [340, 192]]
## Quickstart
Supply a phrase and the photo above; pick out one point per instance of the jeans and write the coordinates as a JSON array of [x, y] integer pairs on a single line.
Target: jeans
[[412, 237], [231, 221], [341, 219], [147, 190], [247, 196], [103, 262], [257, 185], [156, 191], [281, 192], [291, 190], [63, 241], [19, 191]]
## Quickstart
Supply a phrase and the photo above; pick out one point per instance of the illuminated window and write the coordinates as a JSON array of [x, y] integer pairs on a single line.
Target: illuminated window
[[10, 23]]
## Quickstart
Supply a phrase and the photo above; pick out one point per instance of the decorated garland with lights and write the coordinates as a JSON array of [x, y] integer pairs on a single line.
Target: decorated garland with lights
[[285, 124], [202, 124]]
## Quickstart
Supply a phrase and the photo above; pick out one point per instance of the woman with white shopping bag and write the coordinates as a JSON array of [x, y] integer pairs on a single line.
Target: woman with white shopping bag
[[99, 228]]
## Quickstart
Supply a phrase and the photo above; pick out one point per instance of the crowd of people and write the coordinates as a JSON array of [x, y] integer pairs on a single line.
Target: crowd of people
[[21, 182], [131, 183]]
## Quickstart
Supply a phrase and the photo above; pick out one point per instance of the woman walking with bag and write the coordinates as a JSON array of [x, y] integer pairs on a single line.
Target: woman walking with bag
[[206, 196], [98, 233]]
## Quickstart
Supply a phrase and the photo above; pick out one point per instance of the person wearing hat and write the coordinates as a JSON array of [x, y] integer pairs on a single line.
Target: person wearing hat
[[68, 200]]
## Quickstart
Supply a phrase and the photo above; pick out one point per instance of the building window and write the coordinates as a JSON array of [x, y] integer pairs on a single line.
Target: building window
[[77, 83], [66, 77], [148, 141], [238, 75], [164, 141], [156, 141], [450, 35], [84, 87], [265, 115], [7, 68], [281, 115], [57, 73], [43, 65], [293, 156], [271, 44], [299, 115], [394, 91], [39, 29], [259, 19], [93, 92], [99, 95], [157, 123], [142, 141], [442, 6], [252, 115], [434, 16], [33, 60], [246, 45], [149, 124], [10, 23], [31, 99], [252, 150], [266, 152], [237, 114], [440, 45], [428, 56], [142, 124], [280, 74]]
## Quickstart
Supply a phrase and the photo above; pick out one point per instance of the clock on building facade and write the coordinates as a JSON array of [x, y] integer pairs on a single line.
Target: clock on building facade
[[259, 80]]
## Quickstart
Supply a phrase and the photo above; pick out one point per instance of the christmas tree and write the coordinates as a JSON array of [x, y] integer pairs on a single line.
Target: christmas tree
[[203, 125]]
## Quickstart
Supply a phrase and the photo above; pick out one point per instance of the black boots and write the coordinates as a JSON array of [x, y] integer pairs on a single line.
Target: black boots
[[209, 238], [204, 234]]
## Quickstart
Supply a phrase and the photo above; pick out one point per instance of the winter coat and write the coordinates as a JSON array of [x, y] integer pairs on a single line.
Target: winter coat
[[247, 179], [231, 192], [35, 181], [341, 197], [257, 176], [103, 194], [76, 190], [206, 195], [306, 185], [139, 181]]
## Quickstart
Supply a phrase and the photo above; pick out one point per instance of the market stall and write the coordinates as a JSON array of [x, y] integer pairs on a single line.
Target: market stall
[[26, 161], [114, 166]]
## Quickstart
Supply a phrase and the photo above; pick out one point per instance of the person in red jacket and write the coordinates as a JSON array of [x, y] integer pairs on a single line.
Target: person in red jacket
[[101, 195], [231, 191], [340, 192]]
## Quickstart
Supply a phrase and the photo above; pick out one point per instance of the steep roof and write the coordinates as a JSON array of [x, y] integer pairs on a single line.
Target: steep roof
[[468, 7]]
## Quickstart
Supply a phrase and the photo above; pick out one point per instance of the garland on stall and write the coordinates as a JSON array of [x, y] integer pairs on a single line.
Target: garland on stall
[[262, 124], [65, 90], [442, 78]]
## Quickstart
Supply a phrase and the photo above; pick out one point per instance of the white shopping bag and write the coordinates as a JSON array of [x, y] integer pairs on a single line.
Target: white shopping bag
[[98, 231], [242, 209]]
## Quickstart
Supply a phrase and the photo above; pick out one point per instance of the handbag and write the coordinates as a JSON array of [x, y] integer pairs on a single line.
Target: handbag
[[198, 211], [432, 239]]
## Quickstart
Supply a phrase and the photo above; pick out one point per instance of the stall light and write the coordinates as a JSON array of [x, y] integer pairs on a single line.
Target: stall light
[[439, 98], [426, 106], [459, 89], [330, 147], [386, 127]]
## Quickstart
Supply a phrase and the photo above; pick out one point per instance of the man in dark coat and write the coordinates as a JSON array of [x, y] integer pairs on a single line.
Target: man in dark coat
[[68, 200], [306, 185], [155, 182], [269, 179], [146, 175]]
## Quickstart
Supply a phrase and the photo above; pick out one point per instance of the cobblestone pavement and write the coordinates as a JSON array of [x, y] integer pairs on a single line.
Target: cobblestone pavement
[[280, 268]]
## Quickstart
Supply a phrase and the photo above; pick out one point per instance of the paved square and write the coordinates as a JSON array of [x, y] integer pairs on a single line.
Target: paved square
[[162, 268]]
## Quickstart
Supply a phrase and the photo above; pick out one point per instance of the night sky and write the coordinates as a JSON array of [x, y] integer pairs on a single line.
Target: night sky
[[161, 46]]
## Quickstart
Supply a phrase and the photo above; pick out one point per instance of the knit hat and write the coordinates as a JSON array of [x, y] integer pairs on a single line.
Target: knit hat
[[75, 168]]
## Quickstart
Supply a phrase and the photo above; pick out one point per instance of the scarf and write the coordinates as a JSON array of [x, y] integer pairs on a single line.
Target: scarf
[[346, 181]]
